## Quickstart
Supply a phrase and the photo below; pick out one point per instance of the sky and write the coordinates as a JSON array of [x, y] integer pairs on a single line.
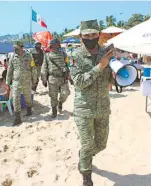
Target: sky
[[15, 16]]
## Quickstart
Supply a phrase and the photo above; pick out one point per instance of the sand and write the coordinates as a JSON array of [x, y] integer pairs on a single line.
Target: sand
[[41, 152]]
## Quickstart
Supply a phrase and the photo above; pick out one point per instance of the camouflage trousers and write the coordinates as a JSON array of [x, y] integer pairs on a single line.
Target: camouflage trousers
[[93, 137], [56, 86], [38, 75], [38, 71], [16, 92]]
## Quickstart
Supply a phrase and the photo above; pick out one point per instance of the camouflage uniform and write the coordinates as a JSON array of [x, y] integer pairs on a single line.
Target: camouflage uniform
[[91, 103], [38, 59], [56, 80], [23, 74]]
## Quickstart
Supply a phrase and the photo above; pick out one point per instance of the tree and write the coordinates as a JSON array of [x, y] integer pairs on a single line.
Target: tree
[[110, 21], [101, 25], [55, 35], [135, 19], [146, 17], [120, 24]]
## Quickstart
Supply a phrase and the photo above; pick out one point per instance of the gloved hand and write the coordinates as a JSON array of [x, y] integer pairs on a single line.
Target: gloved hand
[[44, 84]]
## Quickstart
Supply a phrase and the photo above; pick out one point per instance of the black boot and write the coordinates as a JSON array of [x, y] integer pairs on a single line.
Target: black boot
[[54, 112], [29, 111], [87, 181], [17, 119], [60, 106]]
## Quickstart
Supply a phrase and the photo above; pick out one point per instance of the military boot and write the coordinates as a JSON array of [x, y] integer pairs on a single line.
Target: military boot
[[54, 112], [17, 119], [60, 106], [87, 181], [29, 111]]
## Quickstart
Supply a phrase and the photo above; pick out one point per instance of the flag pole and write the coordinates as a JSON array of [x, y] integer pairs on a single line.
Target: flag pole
[[31, 25]]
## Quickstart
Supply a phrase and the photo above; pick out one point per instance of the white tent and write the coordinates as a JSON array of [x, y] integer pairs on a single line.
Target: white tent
[[137, 39], [73, 33], [112, 29]]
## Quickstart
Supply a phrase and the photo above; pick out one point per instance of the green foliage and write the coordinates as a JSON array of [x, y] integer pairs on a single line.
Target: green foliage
[[109, 21]]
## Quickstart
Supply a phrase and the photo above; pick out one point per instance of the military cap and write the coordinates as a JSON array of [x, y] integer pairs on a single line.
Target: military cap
[[37, 43], [54, 41], [88, 27], [18, 44]]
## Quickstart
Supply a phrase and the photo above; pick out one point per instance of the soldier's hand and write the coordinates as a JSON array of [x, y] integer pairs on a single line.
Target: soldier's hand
[[103, 63], [33, 88], [44, 84]]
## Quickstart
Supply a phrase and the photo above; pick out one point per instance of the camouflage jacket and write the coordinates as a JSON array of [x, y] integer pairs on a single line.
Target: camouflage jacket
[[91, 84], [21, 70], [49, 69]]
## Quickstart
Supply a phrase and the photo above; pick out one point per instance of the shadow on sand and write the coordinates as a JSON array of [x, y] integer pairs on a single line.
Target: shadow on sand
[[38, 115], [124, 180]]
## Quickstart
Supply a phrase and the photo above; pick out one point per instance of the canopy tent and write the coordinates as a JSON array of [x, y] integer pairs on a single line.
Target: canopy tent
[[71, 40], [112, 30], [73, 33], [137, 39], [109, 33]]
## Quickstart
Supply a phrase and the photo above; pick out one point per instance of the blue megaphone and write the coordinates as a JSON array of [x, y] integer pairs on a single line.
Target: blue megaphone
[[123, 72]]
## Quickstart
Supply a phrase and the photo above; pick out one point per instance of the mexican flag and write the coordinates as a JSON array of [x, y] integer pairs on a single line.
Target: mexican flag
[[37, 18]]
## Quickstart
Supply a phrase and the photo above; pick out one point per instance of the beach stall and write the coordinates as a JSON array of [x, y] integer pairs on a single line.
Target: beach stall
[[109, 33]]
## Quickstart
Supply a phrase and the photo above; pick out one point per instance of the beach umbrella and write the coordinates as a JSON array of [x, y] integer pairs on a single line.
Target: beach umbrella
[[137, 39], [43, 37], [112, 30], [71, 40], [75, 32]]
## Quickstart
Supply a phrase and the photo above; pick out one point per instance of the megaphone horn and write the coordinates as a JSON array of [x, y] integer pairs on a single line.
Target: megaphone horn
[[126, 73]]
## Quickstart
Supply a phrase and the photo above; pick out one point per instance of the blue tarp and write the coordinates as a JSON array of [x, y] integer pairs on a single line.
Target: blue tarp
[[8, 47], [71, 40]]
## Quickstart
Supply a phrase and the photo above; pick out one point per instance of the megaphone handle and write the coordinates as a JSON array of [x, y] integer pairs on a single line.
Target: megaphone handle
[[118, 88]]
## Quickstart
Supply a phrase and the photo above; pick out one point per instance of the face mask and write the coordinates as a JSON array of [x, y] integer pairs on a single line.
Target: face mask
[[90, 44], [38, 47]]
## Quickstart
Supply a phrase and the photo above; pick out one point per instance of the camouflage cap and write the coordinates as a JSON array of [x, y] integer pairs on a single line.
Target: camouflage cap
[[54, 41], [18, 44], [88, 27]]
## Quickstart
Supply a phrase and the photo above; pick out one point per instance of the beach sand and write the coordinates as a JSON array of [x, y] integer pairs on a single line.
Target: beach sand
[[41, 152]]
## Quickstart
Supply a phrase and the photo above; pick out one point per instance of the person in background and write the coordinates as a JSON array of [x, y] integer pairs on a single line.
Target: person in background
[[4, 88], [38, 56], [91, 75], [22, 72], [54, 71], [5, 64]]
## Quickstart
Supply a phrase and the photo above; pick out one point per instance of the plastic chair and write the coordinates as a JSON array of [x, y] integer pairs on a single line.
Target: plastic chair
[[8, 104]]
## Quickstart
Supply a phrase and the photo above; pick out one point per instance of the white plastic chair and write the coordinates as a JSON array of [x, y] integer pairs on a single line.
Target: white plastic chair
[[8, 103]]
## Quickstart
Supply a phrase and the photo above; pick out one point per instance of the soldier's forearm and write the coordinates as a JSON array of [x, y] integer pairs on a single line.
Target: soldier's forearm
[[86, 79]]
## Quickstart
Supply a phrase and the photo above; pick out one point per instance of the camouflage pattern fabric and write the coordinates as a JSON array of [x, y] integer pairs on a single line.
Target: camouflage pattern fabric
[[93, 137], [91, 103], [54, 76], [57, 85], [87, 27], [23, 74]]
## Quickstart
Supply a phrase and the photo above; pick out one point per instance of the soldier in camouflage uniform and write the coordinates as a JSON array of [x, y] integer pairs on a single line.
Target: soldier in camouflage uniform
[[22, 73], [38, 56], [91, 75], [54, 70]]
